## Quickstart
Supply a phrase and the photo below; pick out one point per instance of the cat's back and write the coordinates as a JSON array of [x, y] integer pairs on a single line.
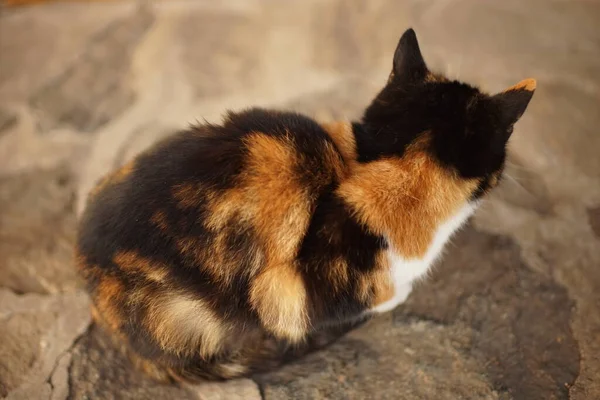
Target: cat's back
[[201, 225], [221, 188]]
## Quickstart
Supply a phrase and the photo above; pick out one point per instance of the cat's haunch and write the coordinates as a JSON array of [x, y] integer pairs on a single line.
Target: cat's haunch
[[228, 249]]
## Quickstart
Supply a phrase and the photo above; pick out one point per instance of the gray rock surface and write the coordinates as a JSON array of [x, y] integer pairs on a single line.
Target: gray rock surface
[[511, 312], [38, 333], [37, 229]]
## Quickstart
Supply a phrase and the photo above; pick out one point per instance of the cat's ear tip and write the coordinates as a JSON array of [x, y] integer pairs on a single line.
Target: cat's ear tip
[[526, 84], [529, 84], [409, 33]]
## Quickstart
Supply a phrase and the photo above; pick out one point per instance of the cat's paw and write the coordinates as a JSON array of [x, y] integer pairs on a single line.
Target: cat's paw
[[401, 293]]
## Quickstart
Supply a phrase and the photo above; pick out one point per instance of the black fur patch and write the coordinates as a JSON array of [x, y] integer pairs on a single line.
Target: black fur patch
[[334, 234]]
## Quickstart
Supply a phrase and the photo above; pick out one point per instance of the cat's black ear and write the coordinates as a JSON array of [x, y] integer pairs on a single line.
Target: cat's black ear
[[409, 65], [513, 101]]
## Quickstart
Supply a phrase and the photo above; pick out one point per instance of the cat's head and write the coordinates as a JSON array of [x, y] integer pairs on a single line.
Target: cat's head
[[465, 129]]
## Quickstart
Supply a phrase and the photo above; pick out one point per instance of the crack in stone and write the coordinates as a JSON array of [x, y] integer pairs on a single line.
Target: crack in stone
[[63, 354], [56, 363]]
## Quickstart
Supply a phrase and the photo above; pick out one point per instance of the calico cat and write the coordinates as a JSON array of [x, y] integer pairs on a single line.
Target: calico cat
[[227, 249]]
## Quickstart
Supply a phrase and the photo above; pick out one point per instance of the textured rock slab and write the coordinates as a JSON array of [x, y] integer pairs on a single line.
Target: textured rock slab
[[415, 360], [38, 332], [519, 318], [100, 370], [345, 100], [96, 88], [216, 58], [7, 120], [55, 36], [23, 147], [341, 29], [37, 231], [241, 389], [594, 217]]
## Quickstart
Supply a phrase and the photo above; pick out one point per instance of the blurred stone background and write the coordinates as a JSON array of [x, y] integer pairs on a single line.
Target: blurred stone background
[[513, 311]]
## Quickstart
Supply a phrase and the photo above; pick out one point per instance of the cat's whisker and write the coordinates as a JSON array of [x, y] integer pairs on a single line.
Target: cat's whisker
[[521, 167], [512, 178], [518, 184]]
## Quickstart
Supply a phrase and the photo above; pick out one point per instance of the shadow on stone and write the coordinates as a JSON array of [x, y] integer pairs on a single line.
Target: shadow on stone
[[519, 318], [100, 370]]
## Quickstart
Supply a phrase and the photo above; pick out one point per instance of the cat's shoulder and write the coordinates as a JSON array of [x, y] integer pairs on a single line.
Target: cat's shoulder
[[273, 122], [305, 134], [231, 138], [253, 142]]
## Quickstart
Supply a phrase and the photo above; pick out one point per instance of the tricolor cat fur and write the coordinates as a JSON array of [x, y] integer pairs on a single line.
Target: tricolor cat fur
[[228, 249]]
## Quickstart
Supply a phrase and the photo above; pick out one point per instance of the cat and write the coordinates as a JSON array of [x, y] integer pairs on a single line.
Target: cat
[[225, 250]]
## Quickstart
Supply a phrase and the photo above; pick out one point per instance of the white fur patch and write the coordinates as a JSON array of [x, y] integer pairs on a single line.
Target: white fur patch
[[404, 272]]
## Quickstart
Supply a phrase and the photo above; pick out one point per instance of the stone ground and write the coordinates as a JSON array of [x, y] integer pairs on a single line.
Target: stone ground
[[512, 312]]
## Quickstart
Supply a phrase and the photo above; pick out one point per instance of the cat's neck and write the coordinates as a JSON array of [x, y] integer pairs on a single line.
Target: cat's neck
[[403, 199]]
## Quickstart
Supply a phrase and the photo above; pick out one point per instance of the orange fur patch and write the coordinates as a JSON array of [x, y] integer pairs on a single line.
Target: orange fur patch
[[88, 271], [378, 284], [228, 205], [343, 137], [526, 84], [150, 368], [188, 195], [109, 301], [218, 258], [80, 261], [269, 196], [159, 219], [132, 261], [282, 202], [279, 297], [433, 77], [337, 274], [405, 199], [494, 179]]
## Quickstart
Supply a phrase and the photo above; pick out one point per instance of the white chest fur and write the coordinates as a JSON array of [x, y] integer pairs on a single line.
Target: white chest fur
[[405, 271]]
